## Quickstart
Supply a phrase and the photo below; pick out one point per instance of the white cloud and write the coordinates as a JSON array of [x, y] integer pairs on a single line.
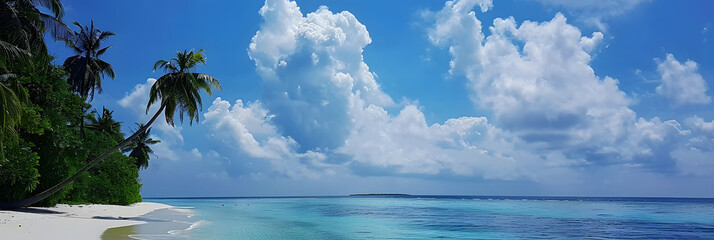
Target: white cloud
[[696, 155], [545, 91], [318, 87], [250, 129], [694, 161], [681, 83], [311, 66], [537, 81], [589, 43], [466, 146]]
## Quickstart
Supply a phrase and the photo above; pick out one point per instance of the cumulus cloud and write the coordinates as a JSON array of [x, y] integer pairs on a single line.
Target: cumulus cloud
[[681, 83], [546, 91], [249, 128], [406, 143], [537, 80], [311, 66], [589, 43], [323, 96]]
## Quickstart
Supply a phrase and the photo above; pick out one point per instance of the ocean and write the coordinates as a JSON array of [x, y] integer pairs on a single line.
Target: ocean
[[430, 217]]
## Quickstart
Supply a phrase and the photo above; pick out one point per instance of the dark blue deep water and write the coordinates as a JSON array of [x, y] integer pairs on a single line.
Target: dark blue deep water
[[447, 217]]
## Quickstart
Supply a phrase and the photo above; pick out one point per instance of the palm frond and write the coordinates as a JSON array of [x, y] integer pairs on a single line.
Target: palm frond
[[11, 52], [104, 35], [10, 110], [12, 30], [57, 28], [53, 5], [105, 68], [101, 51]]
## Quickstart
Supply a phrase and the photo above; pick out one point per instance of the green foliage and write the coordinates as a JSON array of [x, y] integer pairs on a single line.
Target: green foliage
[[105, 124], [40, 117], [32, 121], [10, 112], [18, 172], [113, 181], [58, 145], [50, 148]]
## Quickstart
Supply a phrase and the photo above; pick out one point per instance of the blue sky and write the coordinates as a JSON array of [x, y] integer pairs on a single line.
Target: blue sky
[[548, 97]]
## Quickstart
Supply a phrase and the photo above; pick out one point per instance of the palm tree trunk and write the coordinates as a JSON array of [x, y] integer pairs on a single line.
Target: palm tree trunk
[[46, 193]]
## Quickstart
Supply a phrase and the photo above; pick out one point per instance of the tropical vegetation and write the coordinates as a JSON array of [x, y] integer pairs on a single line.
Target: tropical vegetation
[[43, 108]]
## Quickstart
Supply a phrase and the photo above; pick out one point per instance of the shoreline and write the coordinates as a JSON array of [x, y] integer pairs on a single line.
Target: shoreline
[[159, 224], [85, 221]]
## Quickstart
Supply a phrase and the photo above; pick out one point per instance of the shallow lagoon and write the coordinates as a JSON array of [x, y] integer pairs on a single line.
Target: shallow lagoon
[[453, 217]]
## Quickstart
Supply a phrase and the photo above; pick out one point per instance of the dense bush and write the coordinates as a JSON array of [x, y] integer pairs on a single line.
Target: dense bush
[[18, 172], [112, 181]]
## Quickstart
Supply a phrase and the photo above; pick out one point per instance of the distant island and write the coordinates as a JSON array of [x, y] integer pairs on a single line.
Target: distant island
[[378, 194]]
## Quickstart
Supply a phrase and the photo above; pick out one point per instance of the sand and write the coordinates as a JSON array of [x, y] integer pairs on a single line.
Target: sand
[[70, 221]]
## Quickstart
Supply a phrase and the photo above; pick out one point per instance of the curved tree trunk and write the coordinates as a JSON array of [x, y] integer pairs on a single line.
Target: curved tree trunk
[[44, 194]]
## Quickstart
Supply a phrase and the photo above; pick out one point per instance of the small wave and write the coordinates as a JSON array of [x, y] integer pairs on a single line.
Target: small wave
[[194, 225], [188, 211]]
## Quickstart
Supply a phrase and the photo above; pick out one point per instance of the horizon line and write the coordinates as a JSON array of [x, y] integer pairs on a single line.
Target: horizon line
[[403, 195]]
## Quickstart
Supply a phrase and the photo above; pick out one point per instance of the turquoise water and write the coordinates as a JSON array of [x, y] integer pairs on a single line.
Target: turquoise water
[[446, 217]]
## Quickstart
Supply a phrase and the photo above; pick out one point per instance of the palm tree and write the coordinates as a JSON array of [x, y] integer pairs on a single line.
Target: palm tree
[[103, 123], [140, 149], [86, 69], [178, 89]]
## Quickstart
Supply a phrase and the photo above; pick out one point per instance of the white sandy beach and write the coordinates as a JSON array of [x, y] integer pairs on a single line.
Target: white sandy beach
[[70, 221]]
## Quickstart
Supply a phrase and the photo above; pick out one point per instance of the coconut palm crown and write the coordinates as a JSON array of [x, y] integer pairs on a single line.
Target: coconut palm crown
[[179, 89], [86, 69]]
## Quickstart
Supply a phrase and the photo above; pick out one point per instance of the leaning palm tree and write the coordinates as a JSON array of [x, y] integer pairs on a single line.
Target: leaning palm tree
[[178, 89], [140, 149], [86, 69]]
